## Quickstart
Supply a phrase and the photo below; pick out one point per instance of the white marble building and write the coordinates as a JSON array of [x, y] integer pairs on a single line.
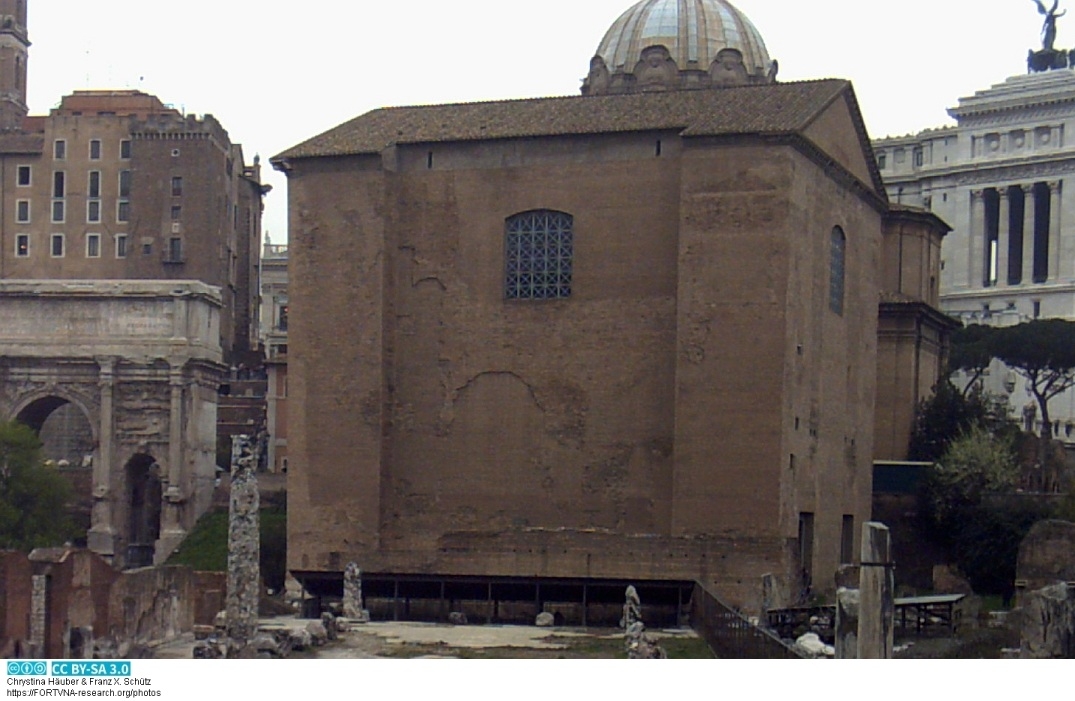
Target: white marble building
[[1004, 178]]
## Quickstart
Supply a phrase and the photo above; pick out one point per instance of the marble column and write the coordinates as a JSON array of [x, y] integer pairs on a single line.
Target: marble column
[[1055, 190], [1003, 237], [977, 270], [1029, 218], [102, 534]]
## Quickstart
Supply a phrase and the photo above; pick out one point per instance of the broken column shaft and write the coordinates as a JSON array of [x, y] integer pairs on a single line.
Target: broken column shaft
[[244, 546]]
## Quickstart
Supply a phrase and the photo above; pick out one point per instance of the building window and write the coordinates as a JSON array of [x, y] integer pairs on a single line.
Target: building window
[[125, 183], [847, 539], [281, 318], [94, 185], [59, 183], [95, 149], [123, 211], [539, 247], [147, 248], [22, 211], [177, 212], [59, 149], [177, 186], [24, 177], [125, 149], [56, 246], [881, 161], [22, 245], [58, 211], [175, 250], [837, 270], [93, 211], [93, 245], [121, 245], [917, 154]]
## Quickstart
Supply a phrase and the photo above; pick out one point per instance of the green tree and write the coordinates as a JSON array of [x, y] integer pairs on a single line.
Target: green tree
[[975, 464], [950, 413], [33, 497], [969, 508], [1042, 352], [971, 352]]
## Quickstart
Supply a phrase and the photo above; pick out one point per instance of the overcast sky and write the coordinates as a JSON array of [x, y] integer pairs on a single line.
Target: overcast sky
[[277, 73]]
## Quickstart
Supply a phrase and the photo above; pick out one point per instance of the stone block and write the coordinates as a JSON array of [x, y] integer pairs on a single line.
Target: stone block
[[1048, 623]]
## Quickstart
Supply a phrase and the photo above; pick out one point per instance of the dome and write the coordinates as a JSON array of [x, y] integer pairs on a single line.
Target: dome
[[699, 36]]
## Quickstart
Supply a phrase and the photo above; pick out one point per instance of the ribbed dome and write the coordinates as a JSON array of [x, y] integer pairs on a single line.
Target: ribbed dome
[[693, 31]]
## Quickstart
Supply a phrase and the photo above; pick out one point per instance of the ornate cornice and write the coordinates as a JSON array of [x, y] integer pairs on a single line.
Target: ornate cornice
[[983, 175]]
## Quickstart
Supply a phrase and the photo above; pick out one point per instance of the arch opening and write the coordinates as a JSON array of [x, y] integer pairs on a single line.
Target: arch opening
[[144, 492], [67, 442]]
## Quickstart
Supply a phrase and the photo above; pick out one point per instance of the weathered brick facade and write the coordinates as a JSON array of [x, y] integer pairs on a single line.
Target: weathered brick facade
[[695, 410]]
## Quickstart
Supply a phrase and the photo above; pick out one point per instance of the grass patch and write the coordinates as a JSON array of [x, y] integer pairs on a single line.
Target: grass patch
[[686, 648], [206, 547]]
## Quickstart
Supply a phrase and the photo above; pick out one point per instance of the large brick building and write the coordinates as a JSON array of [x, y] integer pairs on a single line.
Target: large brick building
[[630, 335]]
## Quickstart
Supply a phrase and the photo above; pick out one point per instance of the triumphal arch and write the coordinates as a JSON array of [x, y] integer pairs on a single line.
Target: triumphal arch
[[120, 380]]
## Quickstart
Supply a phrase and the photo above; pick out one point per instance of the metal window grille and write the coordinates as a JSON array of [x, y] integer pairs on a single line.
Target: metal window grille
[[539, 253]]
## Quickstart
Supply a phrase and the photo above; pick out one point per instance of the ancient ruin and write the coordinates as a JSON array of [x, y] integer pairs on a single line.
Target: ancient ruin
[[1048, 623], [877, 589], [244, 573], [639, 645], [352, 594], [119, 379]]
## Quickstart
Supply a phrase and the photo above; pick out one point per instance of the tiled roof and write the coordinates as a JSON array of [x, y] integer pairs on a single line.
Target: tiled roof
[[779, 108]]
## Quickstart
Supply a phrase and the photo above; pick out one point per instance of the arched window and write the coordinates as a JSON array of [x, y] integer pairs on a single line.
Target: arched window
[[837, 260], [538, 255]]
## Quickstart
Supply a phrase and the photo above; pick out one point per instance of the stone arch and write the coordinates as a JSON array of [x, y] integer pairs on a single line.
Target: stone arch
[[62, 422], [142, 497], [68, 435]]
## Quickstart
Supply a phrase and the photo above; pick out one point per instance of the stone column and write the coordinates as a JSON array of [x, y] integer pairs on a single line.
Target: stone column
[[352, 594], [172, 531], [976, 270], [102, 533], [1055, 191], [1029, 219], [244, 548], [847, 623], [877, 604], [39, 597], [1003, 237]]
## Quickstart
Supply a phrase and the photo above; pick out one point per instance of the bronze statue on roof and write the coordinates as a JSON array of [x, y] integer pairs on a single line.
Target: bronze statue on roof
[[1048, 29]]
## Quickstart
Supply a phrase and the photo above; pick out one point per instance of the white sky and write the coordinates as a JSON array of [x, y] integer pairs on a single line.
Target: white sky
[[276, 73]]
